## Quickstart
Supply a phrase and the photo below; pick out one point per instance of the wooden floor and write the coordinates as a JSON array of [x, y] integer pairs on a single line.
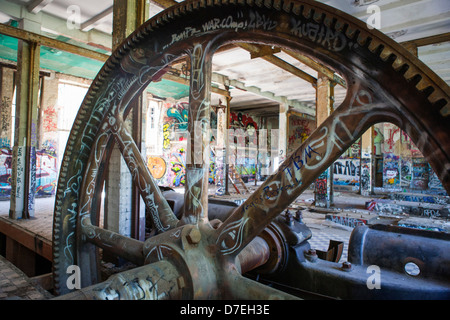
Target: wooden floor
[[35, 233]]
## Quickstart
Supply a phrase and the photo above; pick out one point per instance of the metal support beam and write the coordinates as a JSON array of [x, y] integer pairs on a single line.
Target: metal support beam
[[94, 21], [23, 174], [428, 40], [37, 5], [52, 43], [256, 51], [318, 67], [164, 3]]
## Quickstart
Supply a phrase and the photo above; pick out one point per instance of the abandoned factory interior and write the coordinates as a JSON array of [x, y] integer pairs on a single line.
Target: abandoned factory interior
[[225, 150]]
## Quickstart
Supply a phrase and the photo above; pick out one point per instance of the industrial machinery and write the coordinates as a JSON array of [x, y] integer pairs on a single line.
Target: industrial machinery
[[234, 252]]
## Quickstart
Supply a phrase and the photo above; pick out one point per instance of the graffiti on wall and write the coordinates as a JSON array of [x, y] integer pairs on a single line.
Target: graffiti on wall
[[243, 146], [177, 115], [321, 190], [403, 164], [299, 130], [391, 174], [178, 168], [346, 171], [5, 171], [365, 176], [157, 166], [50, 119], [419, 178], [46, 173], [240, 120], [405, 172]]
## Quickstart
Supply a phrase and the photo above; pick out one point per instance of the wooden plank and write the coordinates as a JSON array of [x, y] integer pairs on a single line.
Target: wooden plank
[[30, 240]]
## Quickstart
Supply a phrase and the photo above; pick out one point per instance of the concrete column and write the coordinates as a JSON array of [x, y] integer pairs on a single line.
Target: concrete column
[[6, 98], [23, 176], [48, 112], [282, 135], [124, 209], [323, 191], [366, 170], [220, 151]]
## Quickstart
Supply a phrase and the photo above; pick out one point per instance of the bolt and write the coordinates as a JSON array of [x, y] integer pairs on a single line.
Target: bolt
[[289, 219], [299, 216], [311, 255], [194, 236], [181, 283], [346, 266]]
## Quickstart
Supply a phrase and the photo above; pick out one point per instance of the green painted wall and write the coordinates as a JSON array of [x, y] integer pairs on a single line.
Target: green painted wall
[[72, 64]]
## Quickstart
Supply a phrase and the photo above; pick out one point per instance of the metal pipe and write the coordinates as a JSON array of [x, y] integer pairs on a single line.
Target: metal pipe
[[127, 248], [156, 281], [254, 255]]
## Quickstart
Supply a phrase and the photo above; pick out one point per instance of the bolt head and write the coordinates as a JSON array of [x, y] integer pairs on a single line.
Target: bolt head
[[194, 236], [347, 266]]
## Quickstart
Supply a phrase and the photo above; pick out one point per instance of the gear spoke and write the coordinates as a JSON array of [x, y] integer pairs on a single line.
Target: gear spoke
[[198, 152], [349, 121], [161, 214]]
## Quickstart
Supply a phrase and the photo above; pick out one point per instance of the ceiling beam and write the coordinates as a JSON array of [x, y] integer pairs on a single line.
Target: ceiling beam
[[255, 50], [37, 5], [57, 26], [52, 43], [269, 95], [444, 37], [164, 3], [95, 20], [185, 81], [330, 74]]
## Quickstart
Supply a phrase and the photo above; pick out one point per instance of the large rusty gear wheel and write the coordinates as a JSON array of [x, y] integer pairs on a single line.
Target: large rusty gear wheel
[[385, 83]]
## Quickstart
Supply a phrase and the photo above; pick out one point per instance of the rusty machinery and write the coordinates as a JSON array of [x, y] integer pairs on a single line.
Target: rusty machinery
[[192, 255]]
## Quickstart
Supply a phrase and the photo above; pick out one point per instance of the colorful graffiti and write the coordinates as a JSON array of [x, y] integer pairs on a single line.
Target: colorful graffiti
[[405, 172], [420, 174], [46, 173], [346, 171], [366, 186], [178, 115], [178, 168], [244, 157], [298, 131], [166, 136], [321, 190], [49, 119], [391, 174], [212, 169], [157, 166], [5, 171], [243, 121]]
